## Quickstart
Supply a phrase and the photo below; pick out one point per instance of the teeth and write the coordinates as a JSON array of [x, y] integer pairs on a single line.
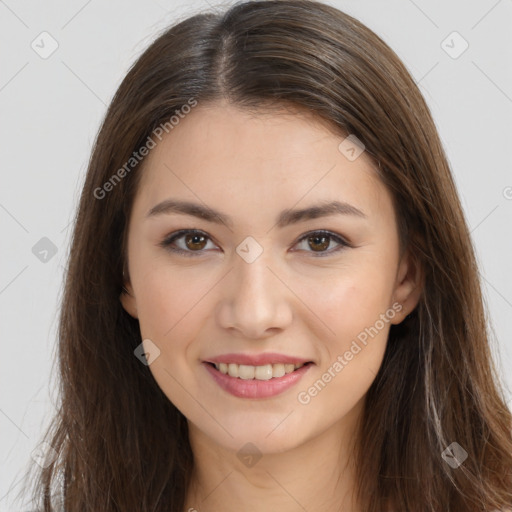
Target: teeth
[[265, 372], [232, 369], [246, 372]]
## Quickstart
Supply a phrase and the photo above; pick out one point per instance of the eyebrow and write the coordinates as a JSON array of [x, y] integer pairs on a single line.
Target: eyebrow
[[285, 218]]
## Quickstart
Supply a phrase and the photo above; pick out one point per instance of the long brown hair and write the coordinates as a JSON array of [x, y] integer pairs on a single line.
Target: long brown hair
[[121, 444]]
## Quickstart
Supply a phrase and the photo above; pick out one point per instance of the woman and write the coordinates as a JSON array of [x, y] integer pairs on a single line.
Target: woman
[[272, 300]]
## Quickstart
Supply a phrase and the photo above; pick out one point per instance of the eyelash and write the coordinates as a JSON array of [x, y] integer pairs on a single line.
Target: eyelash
[[166, 243]]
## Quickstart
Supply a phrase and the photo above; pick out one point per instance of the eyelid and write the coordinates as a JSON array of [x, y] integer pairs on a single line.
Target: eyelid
[[342, 242]]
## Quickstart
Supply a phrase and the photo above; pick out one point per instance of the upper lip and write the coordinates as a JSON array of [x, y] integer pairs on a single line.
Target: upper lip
[[257, 359]]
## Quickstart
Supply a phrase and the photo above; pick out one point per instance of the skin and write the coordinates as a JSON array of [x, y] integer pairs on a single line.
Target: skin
[[289, 300]]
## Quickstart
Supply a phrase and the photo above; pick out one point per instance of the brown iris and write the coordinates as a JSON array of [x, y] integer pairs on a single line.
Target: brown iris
[[195, 241], [321, 240]]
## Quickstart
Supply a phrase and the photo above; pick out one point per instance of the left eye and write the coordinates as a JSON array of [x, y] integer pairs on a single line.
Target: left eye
[[319, 241], [195, 242]]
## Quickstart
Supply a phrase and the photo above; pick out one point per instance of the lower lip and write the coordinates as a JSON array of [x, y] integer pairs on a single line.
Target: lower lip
[[256, 388]]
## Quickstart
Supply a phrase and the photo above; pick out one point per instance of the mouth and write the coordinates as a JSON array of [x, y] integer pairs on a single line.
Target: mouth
[[257, 382], [263, 372]]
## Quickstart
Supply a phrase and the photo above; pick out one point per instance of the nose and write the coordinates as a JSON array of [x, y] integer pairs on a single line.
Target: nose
[[255, 301]]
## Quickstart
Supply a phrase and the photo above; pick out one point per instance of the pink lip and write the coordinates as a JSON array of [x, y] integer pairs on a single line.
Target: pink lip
[[258, 359], [255, 388]]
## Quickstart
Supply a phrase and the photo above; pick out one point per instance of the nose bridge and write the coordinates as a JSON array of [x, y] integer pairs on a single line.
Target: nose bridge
[[254, 277], [257, 300]]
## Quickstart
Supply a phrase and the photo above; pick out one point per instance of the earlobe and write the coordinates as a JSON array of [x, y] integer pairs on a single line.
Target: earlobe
[[128, 301], [408, 286]]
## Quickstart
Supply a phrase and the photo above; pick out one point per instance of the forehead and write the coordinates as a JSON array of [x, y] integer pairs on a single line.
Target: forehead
[[223, 154]]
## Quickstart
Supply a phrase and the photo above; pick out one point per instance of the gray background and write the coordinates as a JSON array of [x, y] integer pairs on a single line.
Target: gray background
[[51, 109]]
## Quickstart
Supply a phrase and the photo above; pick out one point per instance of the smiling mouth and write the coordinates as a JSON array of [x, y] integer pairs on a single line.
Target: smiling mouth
[[264, 372]]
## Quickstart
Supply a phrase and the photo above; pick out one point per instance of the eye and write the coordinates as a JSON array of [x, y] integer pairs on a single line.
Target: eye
[[319, 241], [195, 241]]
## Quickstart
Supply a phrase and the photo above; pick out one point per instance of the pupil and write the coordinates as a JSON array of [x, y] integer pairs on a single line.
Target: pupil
[[193, 244], [324, 244]]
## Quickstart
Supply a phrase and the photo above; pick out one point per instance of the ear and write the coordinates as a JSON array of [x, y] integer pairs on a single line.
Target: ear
[[408, 286], [128, 300]]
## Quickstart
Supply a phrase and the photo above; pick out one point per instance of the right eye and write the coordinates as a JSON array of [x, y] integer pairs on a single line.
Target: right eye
[[193, 242]]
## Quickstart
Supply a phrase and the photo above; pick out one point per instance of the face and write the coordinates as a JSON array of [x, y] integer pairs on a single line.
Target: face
[[264, 280]]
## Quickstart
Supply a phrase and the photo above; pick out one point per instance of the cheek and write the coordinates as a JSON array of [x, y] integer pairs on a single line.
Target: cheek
[[167, 297], [172, 308], [357, 313], [168, 303], [349, 301]]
